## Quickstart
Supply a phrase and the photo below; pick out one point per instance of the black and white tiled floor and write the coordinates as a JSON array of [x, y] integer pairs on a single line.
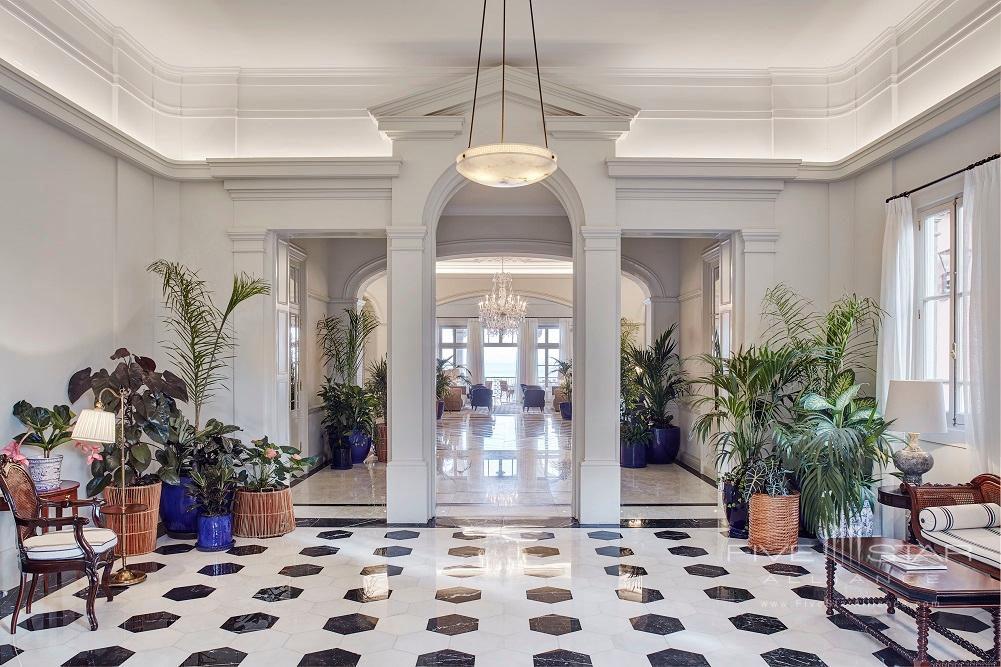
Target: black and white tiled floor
[[499, 597]]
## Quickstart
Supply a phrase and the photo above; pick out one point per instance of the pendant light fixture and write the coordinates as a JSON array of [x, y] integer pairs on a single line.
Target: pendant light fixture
[[506, 165], [502, 310]]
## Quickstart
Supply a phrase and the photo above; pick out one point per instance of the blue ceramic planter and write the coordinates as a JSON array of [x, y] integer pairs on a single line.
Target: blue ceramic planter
[[632, 456], [178, 510], [361, 445], [566, 410], [664, 444], [215, 533]]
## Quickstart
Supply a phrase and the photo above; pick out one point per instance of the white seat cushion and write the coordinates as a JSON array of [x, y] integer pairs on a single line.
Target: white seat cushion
[[982, 544], [57, 545]]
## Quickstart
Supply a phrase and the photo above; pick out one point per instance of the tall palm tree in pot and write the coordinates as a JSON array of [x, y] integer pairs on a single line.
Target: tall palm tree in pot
[[661, 381]]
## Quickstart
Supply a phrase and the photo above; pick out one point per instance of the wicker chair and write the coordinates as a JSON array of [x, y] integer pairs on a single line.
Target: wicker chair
[[982, 489], [40, 553]]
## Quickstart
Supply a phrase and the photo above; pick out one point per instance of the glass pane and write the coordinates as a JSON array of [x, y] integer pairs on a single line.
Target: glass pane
[[938, 252], [500, 362], [447, 335], [540, 335], [936, 316], [554, 335], [460, 356], [293, 284], [461, 335]]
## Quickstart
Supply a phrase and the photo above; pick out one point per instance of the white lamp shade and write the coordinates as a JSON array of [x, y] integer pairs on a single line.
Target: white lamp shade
[[506, 165], [95, 426], [916, 406]]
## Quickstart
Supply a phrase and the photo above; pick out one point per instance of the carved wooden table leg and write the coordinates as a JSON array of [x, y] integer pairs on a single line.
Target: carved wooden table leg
[[924, 621], [829, 594], [996, 615], [891, 603]]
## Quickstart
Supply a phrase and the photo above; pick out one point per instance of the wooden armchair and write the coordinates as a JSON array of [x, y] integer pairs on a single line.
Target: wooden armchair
[[981, 489], [41, 552]]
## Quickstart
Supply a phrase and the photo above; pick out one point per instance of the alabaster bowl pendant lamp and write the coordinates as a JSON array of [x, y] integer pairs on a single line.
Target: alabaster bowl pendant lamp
[[506, 165]]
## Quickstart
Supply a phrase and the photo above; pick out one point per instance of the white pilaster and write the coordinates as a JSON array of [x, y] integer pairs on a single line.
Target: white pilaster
[[254, 388], [596, 372], [758, 271], [663, 311], [409, 481]]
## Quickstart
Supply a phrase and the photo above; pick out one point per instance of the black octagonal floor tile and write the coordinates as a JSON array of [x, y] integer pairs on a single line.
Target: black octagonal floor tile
[[615, 552], [453, 624], [786, 657], [50, 620], [786, 569], [8, 652], [304, 570], [626, 570], [891, 658], [465, 535], [643, 595], [554, 624], [690, 552], [811, 592], [466, 552], [672, 535], [548, 594], [703, 570], [673, 657], [541, 552], [457, 594], [115, 592], [249, 622], [349, 624], [393, 551], [361, 595], [387, 570], [537, 536], [729, 594], [332, 657], [844, 623], [157, 620], [217, 656], [561, 658], [656, 624], [446, 658], [278, 593], [219, 569], [182, 593], [402, 535], [462, 571], [149, 566], [963, 622], [247, 550], [109, 656], [763, 625], [316, 552], [604, 535], [335, 534], [171, 549]]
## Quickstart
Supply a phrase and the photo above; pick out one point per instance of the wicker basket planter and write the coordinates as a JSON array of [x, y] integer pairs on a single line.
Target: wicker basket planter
[[382, 442], [139, 536], [774, 523], [263, 513]]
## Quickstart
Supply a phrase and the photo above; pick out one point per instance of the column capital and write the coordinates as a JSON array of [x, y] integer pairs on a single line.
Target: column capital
[[248, 239], [406, 237], [760, 240], [600, 238]]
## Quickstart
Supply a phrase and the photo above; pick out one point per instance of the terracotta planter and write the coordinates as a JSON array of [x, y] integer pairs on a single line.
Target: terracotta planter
[[382, 442], [263, 513], [139, 536], [774, 523]]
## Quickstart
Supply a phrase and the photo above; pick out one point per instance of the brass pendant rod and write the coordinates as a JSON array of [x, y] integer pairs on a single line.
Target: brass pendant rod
[[476, 85], [503, 62], [538, 75]]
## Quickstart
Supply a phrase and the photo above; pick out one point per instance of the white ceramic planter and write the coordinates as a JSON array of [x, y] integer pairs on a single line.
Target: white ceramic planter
[[46, 472]]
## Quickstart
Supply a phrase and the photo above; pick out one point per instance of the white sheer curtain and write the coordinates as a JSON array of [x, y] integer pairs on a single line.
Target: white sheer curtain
[[982, 339], [566, 339], [527, 370], [893, 357], [474, 350]]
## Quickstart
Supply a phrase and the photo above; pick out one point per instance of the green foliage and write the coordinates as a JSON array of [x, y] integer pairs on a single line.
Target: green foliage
[[444, 377], [378, 385], [564, 369], [202, 344], [47, 429], [629, 393], [212, 485], [269, 467], [634, 428], [347, 408], [765, 475], [660, 379], [342, 341]]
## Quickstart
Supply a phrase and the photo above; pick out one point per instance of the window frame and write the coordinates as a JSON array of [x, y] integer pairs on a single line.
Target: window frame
[[547, 370], [447, 350]]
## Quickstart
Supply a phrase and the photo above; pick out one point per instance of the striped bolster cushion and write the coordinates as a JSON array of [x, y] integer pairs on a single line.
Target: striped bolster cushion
[[960, 517]]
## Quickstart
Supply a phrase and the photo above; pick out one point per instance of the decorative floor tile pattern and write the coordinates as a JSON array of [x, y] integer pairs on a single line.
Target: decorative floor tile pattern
[[499, 607]]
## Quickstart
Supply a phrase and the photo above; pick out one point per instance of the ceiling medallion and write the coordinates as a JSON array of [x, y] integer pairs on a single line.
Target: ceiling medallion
[[502, 310], [506, 165]]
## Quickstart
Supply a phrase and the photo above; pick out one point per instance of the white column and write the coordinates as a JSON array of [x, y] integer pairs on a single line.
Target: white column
[[757, 276], [598, 367], [254, 389], [409, 473]]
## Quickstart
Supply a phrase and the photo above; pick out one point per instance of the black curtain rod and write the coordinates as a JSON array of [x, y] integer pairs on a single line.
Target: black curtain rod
[[908, 193]]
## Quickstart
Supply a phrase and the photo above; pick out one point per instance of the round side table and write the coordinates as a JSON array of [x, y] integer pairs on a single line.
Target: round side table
[[894, 495]]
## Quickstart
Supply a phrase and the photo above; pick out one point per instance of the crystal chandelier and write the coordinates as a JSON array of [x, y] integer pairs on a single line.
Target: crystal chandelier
[[506, 165], [502, 310]]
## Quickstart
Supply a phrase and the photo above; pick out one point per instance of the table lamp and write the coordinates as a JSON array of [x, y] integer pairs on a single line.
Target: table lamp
[[915, 406], [97, 425]]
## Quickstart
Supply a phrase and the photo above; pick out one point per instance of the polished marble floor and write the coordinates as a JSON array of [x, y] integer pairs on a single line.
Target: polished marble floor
[[502, 597]]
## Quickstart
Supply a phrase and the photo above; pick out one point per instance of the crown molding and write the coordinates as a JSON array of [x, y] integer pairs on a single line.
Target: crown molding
[[421, 127], [702, 168], [305, 167]]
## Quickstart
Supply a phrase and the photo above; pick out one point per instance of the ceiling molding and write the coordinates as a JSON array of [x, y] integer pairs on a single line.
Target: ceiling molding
[[315, 167]]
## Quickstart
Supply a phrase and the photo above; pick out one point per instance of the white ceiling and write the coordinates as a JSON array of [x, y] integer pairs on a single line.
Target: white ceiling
[[589, 34]]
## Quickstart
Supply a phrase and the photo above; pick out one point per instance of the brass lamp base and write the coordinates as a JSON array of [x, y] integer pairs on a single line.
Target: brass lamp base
[[127, 577]]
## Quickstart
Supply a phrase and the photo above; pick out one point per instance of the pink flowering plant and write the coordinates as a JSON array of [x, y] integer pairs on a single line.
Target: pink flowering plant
[[270, 467], [13, 452]]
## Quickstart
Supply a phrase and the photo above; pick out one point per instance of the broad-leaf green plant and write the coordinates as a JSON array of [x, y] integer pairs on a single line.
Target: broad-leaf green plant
[[46, 429]]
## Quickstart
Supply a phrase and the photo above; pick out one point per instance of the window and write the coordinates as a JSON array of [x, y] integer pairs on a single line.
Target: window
[[452, 343], [547, 346], [718, 307], [500, 361], [941, 301]]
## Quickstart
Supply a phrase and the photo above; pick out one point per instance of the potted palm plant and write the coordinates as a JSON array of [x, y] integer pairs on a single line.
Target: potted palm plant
[[564, 370], [262, 506], [774, 507], [46, 430], [442, 385], [378, 386], [661, 381], [201, 345]]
